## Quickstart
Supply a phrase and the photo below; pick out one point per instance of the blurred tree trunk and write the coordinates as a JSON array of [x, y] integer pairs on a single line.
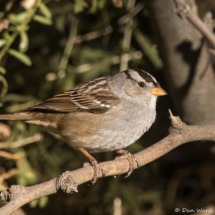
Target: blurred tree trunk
[[187, 67]]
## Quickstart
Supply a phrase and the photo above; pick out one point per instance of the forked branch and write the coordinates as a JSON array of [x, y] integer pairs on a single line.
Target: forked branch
[[184, 11]]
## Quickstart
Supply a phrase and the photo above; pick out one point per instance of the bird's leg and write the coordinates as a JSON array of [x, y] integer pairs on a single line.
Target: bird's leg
[[133, 161], [94, 163]]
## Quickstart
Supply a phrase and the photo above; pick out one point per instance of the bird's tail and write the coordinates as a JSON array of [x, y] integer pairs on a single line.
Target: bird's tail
[[17, 116]]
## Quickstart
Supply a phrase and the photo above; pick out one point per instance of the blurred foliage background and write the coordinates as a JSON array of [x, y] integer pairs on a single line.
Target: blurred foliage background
[[50, 46]]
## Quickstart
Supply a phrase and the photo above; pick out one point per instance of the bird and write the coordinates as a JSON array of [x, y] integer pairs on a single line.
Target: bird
[[104, 114]]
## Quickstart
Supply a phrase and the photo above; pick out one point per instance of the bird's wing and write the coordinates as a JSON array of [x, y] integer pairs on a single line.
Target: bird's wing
[[94, 96]]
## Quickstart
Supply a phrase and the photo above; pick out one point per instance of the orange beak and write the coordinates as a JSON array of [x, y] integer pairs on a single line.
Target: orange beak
[[158, 91]]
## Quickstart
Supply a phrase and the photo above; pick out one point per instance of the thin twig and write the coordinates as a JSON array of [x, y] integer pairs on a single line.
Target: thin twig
[[132, 13], [16, 144], [8, 174], [69, 46], [107, 30], [127, 38], [89, 36], [94, 34], [147, 48], [9, 43], [184, 11], [208, 20], [180, 133], [9, 155]]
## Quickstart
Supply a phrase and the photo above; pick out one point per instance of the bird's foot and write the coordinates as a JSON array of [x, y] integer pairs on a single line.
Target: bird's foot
[[96, 167], [133, 161], [93, 162]]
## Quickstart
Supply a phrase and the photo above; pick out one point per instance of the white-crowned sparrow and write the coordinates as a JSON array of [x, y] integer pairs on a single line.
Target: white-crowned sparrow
[[105, 114]]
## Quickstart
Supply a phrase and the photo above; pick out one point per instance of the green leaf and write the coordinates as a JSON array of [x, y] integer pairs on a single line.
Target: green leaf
[[2, 70], [22, 57], [23, 45], [42, 19], [4, 87], [6, 35], [26, 174], [101, 3], [79, 6], [19, 18], [34, 203], [2, 14], [93, 8], [97, 4], [43, 201], [45, 11], [21, 28], [2, 42], [147, 47]]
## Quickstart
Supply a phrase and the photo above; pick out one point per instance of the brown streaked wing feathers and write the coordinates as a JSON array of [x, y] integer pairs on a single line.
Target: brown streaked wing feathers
[[58, 104], [86, 97]]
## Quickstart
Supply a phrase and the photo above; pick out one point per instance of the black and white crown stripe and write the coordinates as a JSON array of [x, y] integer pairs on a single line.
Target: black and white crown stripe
[[145, 75]]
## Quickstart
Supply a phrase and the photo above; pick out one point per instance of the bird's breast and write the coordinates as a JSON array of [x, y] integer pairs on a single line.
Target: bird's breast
[[125, 131], [107, 133]]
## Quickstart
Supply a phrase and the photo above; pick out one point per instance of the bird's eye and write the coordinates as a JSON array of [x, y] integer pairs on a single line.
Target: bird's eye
[[141, 84]]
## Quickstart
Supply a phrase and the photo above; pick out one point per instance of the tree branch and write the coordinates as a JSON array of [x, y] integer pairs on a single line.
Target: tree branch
[[184, 11], [179, 133]]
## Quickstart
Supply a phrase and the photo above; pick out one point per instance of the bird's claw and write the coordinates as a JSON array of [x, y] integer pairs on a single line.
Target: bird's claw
[[133, 161], [97, 168]]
